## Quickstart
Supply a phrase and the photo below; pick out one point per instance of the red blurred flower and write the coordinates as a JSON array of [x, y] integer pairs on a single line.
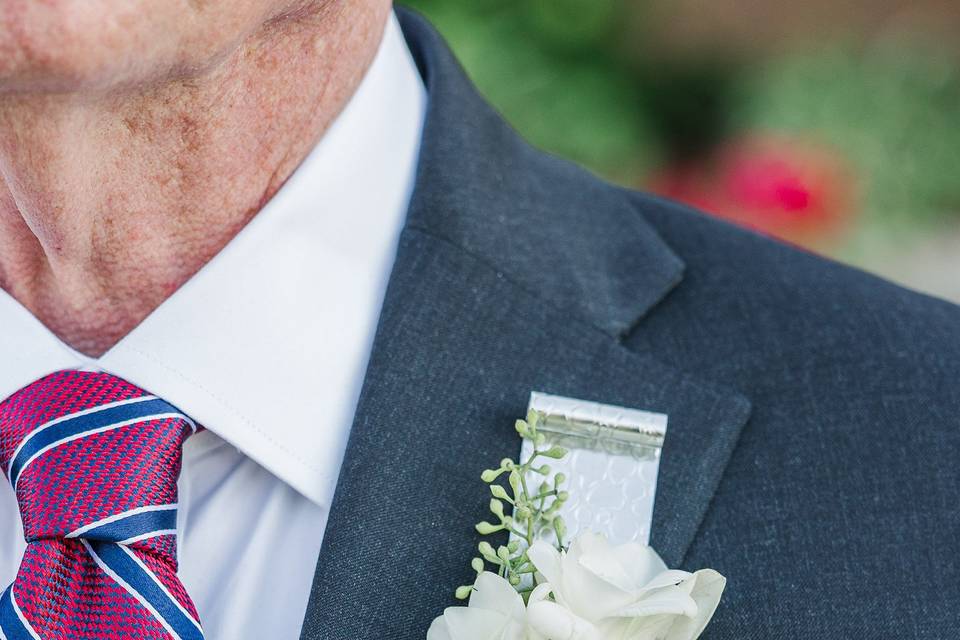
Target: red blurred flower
[[782, 186]]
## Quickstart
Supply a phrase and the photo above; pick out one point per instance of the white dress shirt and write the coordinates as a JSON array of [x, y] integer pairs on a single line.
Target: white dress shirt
[[267, 348]]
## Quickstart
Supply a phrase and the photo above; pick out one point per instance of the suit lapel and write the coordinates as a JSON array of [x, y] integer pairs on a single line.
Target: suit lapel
[[515, 272], [458, 350]]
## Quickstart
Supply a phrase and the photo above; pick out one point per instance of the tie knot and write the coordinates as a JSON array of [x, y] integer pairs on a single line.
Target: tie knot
[[92, 456]]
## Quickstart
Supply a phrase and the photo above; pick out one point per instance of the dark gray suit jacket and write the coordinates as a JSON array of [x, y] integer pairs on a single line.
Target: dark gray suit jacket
[[812, 455]]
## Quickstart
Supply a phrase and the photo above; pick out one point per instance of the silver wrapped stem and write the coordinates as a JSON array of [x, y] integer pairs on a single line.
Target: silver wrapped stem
[[612, 465]]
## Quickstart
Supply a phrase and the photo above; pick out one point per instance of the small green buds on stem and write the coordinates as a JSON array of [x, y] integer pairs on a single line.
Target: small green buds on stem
[[534, 514]]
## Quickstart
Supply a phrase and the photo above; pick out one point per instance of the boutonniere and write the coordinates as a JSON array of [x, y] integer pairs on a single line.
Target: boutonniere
[[540, 587]]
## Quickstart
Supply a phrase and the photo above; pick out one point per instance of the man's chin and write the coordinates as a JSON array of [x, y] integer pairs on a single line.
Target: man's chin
[[70, 46], [45, 54]]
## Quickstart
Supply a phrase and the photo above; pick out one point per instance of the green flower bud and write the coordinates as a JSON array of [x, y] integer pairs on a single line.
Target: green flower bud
[[486, 549], [514, 579], [463, 592], [485, 528], [489, 475], [522, 428], [555, 452], [514, 480], [513, 545], [560, 527], [496, 507], [559, 479], [533, 419], [477, 565], [499, 492]]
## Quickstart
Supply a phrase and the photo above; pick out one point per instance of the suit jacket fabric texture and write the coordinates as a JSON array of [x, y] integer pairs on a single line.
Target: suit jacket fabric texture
[[814, 431]]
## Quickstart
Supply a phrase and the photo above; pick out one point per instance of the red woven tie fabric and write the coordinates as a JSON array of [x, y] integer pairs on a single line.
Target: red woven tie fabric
[[94, 461]]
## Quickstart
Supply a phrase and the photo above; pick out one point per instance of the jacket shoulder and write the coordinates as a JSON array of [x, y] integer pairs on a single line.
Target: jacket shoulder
[[766, 293]]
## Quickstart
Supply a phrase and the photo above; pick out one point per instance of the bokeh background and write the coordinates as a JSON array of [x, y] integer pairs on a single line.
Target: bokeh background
[[832, 125]]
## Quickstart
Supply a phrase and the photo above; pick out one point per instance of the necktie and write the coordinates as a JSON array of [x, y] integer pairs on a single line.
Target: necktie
[[94, 461]]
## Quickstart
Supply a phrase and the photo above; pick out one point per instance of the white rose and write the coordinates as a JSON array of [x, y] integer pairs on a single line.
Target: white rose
[[625, 592], [495, 612]]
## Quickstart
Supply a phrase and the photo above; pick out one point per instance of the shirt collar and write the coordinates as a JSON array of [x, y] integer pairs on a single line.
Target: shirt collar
[[267, 344]]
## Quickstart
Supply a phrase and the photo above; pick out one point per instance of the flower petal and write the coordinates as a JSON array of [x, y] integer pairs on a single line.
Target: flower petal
[[575, 586], [540, 592], [670, 578], [668, 600], [604, 564], [622, 592], [648, 628], [438, 630], [706, 590], [557, 623], [589, 542], [640, 561], [547, 561], [470, 623], [492, 592]]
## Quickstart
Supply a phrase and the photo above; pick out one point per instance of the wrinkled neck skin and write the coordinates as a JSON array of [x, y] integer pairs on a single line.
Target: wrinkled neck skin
[[110, 199]]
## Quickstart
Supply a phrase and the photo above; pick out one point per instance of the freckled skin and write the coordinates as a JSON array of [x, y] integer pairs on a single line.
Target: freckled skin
[[138, 137]]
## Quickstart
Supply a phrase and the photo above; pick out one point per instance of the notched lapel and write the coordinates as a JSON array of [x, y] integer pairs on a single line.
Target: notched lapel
[[458, 350], [515, 272]]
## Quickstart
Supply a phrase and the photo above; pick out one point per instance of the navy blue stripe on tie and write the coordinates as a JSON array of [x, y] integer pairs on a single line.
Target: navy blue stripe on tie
[[13, 626], [135, 578], [70, 429]]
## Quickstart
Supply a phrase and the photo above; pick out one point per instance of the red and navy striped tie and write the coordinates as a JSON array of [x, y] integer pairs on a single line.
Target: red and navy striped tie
[[94, 462]]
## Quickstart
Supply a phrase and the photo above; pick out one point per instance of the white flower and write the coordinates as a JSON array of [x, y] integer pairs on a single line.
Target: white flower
[[625, 592], [495, 612]]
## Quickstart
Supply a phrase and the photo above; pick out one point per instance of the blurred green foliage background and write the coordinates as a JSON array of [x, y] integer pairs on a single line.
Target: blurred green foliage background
[[834, 129]]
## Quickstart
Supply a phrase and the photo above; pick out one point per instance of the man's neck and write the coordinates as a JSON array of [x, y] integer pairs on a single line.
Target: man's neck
[[110, 202]]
